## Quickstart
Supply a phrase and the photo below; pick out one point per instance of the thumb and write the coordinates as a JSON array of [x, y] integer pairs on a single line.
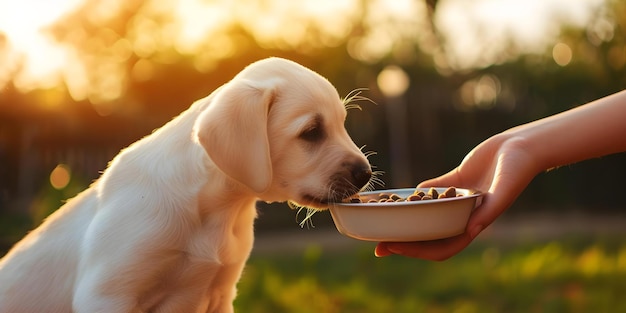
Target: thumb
[[449, 179]]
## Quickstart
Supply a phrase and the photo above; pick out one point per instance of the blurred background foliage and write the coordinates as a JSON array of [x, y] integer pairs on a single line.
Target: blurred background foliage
[[560, 276], [81, 79]]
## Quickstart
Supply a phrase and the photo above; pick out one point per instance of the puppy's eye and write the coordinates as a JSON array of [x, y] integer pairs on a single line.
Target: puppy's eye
[[313, 133]]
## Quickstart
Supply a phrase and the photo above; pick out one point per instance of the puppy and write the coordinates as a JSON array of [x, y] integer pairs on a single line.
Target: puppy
[[168, 226]]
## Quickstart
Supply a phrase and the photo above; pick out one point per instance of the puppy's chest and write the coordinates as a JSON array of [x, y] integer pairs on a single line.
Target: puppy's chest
[[219, 245], [194, 267], [210, 249]]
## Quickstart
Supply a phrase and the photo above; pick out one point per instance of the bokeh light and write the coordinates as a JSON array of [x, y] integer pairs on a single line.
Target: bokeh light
[[480, 92], [393, 81], [562, 54], [60, 176]]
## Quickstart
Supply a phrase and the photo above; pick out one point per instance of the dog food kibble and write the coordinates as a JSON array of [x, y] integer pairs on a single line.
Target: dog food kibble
[[418, 195], [414, 197], [432, 192], [450, 192]]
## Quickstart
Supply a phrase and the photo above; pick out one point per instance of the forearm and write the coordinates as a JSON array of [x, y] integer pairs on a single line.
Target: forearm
[[592, 130]]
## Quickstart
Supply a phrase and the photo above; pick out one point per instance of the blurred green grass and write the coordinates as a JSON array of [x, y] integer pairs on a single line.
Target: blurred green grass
[[557, 276], [581, 274]]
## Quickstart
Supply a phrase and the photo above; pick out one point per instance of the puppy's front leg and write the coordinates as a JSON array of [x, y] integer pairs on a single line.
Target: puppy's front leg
[[97, 291], [107, 285], [122, 261], [86, 299], [223, 290]]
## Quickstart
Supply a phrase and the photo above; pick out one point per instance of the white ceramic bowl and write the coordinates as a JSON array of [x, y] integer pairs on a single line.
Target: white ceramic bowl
[[405, 221]]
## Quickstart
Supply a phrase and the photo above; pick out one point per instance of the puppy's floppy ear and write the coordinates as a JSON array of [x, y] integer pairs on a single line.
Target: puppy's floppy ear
[[233, 131]]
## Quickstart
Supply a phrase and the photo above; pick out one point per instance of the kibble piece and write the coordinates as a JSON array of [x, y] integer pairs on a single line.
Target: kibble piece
[[414, 197], [450, 192], [417, 195], [383, 195], [432, 192]]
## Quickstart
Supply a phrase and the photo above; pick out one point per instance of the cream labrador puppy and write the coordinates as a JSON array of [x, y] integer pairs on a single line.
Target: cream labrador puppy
[[168, 226]]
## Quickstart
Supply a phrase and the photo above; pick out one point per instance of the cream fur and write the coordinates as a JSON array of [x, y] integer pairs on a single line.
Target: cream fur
[[168, 226]]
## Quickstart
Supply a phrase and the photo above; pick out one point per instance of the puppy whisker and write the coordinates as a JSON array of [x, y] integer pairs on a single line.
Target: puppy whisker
[[368, 153], [308, 216], [332, 194], [354, 96], [346, 193], [376, 180]]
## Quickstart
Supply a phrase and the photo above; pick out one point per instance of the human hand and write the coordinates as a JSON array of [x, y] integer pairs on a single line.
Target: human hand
[[501, 167]]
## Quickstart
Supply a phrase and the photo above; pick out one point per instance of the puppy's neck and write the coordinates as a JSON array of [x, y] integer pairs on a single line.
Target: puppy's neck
[[171, 161]]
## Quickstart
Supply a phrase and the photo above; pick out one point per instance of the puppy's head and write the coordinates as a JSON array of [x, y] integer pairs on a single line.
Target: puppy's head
[[278, 129]]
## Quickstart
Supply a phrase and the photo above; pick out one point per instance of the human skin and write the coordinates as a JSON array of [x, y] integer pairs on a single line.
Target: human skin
[[503, 165]]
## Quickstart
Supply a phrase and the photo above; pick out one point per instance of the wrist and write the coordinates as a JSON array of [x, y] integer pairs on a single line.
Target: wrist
[[534, 158]]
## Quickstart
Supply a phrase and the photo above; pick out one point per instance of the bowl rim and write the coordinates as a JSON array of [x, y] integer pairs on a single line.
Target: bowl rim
[[471, 194]]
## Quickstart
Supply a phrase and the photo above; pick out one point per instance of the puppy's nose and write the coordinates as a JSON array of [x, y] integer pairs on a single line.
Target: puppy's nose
[[361, 175]]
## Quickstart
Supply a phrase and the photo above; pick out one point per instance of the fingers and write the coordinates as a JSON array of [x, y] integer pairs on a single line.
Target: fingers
[[439, 250], [443, 249], [449, 179], [381, 250], [501, 172], [435, 250]]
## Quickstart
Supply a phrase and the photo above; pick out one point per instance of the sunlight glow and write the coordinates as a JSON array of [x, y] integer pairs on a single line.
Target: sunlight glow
[[32, 55], [93, 63], [390, 23], [483, 31], [291, 24]]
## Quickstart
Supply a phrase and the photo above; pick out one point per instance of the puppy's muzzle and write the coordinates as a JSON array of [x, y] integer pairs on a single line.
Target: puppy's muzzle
[[361, 175], [343, 184], [355, 176]]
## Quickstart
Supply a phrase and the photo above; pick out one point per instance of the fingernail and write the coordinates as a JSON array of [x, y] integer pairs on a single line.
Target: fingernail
[[382, 251], [381, 254], [475, 231]]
